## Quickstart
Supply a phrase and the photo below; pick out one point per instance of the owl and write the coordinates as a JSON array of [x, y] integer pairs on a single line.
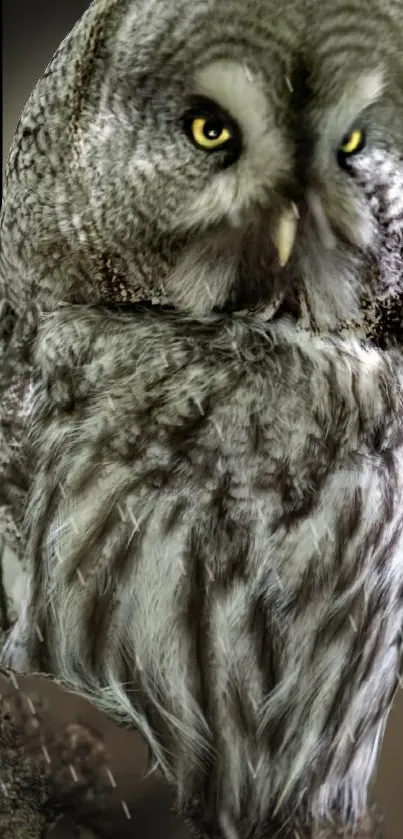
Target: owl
[[202, 404]]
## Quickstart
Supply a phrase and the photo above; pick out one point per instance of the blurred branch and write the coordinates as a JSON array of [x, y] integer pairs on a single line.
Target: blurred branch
[[46, 773], [370, 827]]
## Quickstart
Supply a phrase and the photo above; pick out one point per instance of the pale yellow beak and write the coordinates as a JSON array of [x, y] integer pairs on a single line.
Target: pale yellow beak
[[285, 234]]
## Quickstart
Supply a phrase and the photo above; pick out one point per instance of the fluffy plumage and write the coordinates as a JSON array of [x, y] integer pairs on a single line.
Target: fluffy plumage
[[208, 447]]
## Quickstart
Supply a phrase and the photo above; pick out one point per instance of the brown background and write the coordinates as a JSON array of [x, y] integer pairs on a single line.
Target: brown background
[[32, 29]]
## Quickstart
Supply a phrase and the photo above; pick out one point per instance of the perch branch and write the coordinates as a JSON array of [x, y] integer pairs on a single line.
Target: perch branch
[[46, 773]]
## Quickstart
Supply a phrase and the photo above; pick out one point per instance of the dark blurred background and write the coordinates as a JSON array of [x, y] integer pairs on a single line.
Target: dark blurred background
[[32, 31]]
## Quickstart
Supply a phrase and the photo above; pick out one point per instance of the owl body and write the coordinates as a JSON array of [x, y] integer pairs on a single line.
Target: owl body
[[201, 262], [218, 571]]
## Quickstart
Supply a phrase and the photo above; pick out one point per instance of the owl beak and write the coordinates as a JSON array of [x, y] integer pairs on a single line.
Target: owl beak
[[285, 233]]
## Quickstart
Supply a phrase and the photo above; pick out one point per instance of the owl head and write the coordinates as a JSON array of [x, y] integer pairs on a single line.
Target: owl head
[[214, 156]]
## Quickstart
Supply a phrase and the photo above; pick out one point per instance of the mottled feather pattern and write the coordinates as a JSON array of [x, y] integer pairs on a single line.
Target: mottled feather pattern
[[213, 514], [206, 449]]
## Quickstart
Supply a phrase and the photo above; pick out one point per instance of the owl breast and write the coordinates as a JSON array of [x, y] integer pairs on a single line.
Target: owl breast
[[221, 550]]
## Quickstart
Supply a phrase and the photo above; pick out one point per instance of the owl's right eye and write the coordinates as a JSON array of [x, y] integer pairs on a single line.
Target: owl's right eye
[[210, 133], [211, 129]]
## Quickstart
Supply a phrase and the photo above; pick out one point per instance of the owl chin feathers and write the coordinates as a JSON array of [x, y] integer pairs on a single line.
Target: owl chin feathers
[[237, 270]]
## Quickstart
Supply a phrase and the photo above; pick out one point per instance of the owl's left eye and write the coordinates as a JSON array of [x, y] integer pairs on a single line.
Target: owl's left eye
[[211, 129], [352, 143]]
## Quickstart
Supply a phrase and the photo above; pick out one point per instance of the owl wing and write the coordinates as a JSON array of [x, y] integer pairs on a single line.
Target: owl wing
[[15, 382]]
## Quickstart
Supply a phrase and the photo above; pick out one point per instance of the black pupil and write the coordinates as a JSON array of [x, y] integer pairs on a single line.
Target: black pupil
[[213, 129]]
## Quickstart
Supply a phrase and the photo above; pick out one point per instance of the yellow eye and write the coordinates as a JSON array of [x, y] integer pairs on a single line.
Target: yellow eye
[[211, 129], [210, 132], [353, 142]]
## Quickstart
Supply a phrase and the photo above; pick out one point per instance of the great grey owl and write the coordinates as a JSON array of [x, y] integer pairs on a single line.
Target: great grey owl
[[202, 456]]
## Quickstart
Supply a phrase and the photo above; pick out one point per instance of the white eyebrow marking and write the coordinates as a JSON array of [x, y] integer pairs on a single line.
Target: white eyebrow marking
[[337, 118], [237, 90], [356, 98]]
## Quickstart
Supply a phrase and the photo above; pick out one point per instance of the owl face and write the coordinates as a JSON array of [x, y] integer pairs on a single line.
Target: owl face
[[242, 147], [231, 156]]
